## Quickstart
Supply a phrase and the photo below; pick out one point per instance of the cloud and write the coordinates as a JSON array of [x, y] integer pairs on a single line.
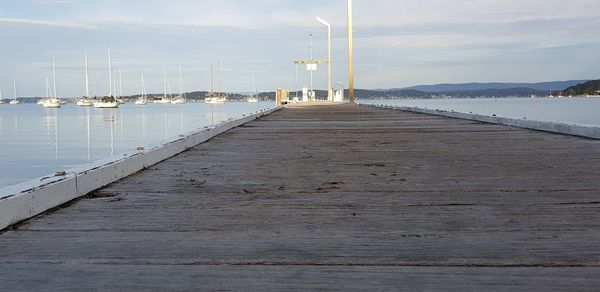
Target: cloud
[[22, 21], [397, 42]]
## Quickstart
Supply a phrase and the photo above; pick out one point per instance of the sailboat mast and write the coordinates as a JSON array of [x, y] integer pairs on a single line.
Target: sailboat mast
[[110, 76], [47, 87], [165, 83], [87, 77], [54, 77], [143, 88], [15, 88], [212, 87], [180, 82], [218, 74], [255, 90], [120, 83]]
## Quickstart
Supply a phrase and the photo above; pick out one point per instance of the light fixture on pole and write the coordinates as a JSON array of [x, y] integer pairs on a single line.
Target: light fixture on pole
[[350, 56], [329, 87]]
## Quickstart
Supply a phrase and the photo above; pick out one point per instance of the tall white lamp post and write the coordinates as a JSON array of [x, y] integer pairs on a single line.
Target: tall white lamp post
[[350, 56]]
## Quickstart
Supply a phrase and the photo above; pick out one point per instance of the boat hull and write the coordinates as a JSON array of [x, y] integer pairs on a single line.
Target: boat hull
[[85, 103], [106, 105]]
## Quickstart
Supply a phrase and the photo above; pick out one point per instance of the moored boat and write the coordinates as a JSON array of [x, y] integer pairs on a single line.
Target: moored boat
[[86, 100], [15, 99], [108, 101], [143, 100]]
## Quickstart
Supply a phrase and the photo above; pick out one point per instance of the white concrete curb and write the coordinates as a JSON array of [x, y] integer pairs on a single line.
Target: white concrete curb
[[553, 127], [26, 200]]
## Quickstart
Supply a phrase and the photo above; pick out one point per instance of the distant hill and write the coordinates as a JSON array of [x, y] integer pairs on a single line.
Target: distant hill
[[586, 88], [541, 86]]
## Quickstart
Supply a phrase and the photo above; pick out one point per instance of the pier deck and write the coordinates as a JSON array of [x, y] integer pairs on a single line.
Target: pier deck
[[333, 197]]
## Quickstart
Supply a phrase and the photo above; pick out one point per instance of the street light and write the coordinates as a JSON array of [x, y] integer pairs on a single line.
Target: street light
[[350, 56], [329, 87]]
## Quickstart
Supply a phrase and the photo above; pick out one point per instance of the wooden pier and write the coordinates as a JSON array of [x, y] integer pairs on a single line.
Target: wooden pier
[[333, 197]]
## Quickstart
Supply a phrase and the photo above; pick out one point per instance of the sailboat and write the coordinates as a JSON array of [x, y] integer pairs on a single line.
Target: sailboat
[[48, 94], [108, 101], [16, 96], [254, 98], [181, 98], [86, 100], [143, 100], [52, 101], [223, 97], [49, 101], [164, 99], [212, 97]]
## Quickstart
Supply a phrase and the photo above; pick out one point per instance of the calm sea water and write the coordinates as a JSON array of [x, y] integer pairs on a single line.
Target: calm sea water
[[582, 111], [35, 142]]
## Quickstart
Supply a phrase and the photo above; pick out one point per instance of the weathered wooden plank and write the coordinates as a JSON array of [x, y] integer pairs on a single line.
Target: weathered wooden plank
[[52, 277], [333, 197]]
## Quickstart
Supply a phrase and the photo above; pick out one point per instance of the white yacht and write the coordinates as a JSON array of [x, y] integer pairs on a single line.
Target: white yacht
[[214, 100], [49, 101], [143, 100], [52, 101], [212, 97], [181, 98], [165, 99], [86, 100], [16, 95], [253, 98], [108, 101]]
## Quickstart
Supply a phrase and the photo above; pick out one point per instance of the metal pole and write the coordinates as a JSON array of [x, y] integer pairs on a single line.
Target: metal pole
[[350, 56], [329, 92], [312, 90]]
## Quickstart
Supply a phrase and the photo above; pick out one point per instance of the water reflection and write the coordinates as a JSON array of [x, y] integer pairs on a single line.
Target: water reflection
[[51, 123], [16, 123], [35, 142], [144, 123], [89, 133]]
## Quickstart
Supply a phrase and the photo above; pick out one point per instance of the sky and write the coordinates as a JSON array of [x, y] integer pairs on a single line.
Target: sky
[[398, 43]]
